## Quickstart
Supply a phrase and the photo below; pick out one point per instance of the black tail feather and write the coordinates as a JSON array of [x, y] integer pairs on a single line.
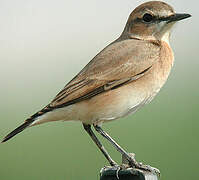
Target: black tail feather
[[17, 130], [27, 123]]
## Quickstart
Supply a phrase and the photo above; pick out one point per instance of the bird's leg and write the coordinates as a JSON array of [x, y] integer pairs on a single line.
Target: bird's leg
[[131, 159], [99, 145]]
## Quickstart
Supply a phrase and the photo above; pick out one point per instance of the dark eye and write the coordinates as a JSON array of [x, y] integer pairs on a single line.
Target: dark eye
[[147, 17]]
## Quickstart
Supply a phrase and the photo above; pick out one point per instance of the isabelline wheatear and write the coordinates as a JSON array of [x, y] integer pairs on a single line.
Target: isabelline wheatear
[[123, 77]]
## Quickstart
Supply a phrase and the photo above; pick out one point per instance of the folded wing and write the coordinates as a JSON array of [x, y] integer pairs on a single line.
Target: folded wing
[[116, 65]]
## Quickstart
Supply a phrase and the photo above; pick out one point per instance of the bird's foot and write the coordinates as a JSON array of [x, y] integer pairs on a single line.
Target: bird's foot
[[144, 167], [131, 162]]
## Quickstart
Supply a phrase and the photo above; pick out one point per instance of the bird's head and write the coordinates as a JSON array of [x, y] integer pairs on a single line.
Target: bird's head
[[152, 21]]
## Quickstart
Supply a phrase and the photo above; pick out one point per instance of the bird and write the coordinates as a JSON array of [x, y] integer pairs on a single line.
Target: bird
[[119, 80]]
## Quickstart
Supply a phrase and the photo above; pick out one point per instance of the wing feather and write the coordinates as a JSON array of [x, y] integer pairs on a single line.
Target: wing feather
[[117, 64]]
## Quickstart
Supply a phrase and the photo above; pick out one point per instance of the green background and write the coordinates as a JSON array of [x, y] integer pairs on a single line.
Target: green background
[[43, 45]]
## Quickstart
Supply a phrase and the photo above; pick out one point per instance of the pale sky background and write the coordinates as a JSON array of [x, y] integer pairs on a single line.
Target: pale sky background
[[45, 43]]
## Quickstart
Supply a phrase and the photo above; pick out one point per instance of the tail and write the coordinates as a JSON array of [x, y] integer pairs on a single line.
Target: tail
[[26, 124], [17, 130]]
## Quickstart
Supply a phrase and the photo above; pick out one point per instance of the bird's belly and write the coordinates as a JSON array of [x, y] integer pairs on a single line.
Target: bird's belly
[[115, 103], [120, 106]]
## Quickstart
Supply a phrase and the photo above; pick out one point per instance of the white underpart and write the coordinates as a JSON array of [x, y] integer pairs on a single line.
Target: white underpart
[[164, 30], [166, 37], [60, 114], [129, 108]]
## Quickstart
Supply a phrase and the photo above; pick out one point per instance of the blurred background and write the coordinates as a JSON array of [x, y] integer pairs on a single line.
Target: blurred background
[[43, 44]]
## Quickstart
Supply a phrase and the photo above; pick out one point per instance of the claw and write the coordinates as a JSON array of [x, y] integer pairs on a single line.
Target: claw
[[117, 172], [114, 164]]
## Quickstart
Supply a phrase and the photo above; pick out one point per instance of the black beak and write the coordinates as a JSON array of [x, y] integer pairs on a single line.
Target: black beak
[[178, 17], [175, 17]]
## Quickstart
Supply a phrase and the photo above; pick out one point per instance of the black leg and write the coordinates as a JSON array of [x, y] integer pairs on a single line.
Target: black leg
[[99, 145], [131, 160]]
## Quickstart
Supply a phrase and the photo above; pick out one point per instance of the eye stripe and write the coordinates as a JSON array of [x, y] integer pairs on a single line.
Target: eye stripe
[[154, 20]]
